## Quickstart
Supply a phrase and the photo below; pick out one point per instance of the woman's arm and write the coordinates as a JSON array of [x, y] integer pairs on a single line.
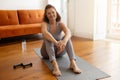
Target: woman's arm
[[67, 33], [46, 34]]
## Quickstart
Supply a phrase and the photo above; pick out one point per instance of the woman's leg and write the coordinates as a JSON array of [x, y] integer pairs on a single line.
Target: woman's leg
[[50, 51], [49, 46], [70, 50], [44, 52], [71, 54]]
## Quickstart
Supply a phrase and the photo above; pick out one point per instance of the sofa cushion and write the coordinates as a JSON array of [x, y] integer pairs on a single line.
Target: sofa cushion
[[8, 17], [31, 28], [30, 16]]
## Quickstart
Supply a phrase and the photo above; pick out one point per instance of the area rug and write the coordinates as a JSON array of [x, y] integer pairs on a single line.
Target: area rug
[[89, 72]]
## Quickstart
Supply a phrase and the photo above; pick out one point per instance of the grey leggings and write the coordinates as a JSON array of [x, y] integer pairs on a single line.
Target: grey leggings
[[49, 50]]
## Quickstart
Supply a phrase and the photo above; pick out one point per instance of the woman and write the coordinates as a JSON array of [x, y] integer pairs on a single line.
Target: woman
[[56, 44]]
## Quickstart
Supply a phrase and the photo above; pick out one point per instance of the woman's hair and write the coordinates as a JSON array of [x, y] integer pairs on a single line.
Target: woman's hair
[[45, 16]]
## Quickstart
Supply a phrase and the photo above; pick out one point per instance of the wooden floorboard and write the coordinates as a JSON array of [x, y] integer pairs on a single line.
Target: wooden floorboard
[[105, 55]]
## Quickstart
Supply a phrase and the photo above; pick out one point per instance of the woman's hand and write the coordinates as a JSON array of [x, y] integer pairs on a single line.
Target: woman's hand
[[61, 46]]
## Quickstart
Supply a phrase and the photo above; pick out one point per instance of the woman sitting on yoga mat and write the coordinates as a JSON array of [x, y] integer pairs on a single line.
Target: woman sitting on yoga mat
[[56, 44]]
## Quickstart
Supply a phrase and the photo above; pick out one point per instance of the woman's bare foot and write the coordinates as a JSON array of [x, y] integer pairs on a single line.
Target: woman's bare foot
[[56, 70], [74, 67]]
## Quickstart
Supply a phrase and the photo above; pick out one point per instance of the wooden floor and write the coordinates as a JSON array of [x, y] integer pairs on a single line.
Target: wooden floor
[[105, 55]]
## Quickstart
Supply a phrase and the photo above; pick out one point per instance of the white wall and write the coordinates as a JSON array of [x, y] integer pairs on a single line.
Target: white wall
[[22, 4], [84, 18], [87, 18], [64, 11], [71, 15], [100, 20], [81, 17]]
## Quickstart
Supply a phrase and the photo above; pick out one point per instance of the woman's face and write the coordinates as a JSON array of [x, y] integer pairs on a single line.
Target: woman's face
[[51, 14]]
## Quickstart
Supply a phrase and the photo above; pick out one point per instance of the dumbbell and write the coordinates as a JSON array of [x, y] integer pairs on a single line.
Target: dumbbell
[[22, 65]]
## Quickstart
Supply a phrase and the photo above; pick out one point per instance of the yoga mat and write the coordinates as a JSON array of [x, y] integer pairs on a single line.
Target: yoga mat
[[89, 72]]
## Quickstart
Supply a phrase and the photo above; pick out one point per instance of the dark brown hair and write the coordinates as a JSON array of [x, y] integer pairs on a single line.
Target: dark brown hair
[[46, 18]]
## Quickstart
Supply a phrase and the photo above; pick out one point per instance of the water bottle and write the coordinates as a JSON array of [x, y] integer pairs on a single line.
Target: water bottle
[[23, 45]]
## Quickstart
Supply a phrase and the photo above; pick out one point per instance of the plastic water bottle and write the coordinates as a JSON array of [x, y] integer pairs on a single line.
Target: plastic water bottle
[[23, 45]]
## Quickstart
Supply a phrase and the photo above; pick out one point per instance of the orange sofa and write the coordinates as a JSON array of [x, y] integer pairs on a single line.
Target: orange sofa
[[20, 22]]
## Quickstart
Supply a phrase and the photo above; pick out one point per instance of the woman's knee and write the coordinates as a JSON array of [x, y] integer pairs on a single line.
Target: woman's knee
[[48, 43]]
